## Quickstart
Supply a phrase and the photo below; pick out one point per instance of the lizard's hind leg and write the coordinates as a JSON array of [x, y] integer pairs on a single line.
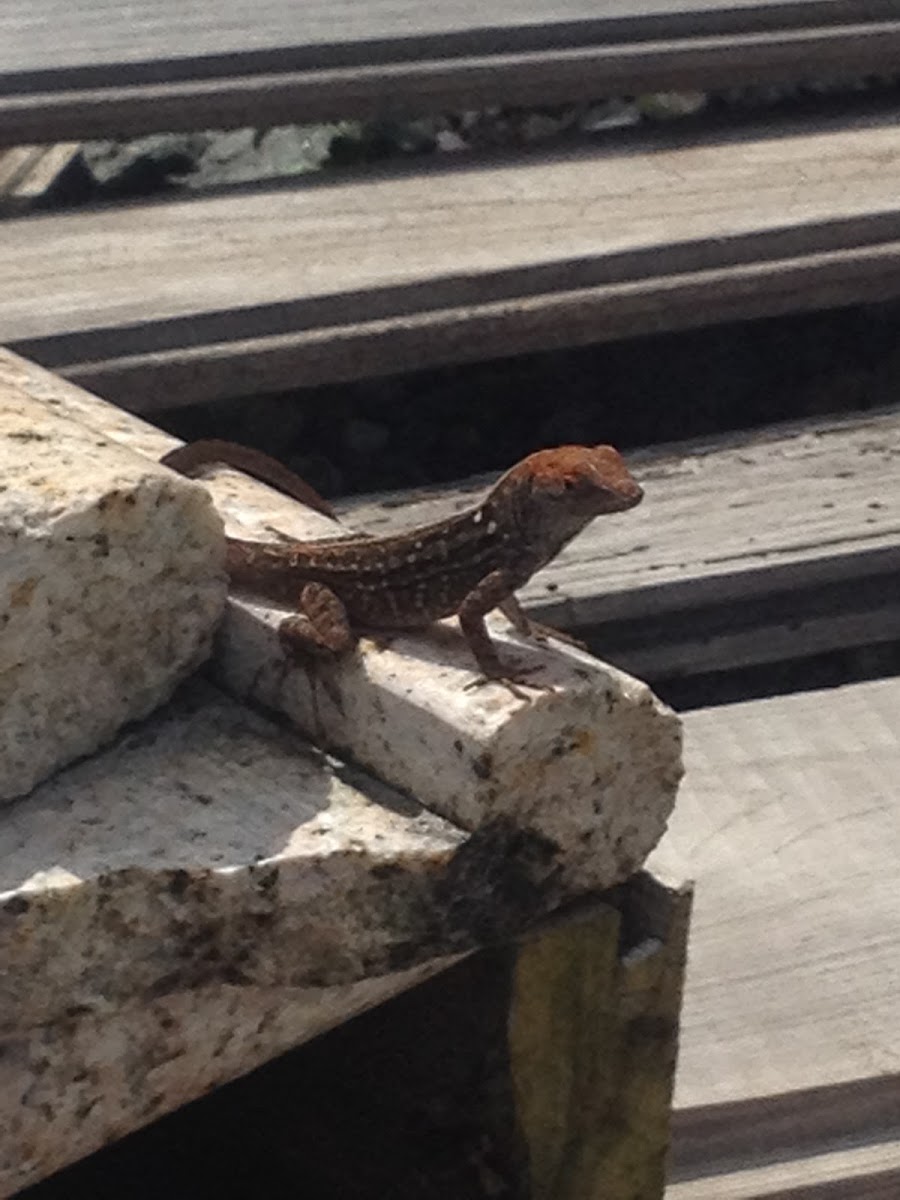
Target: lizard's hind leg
[[320, 629]]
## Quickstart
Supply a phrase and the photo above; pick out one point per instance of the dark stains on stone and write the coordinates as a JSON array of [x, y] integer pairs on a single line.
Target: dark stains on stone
[[500, 880], [201, 943], [483, 765], [77, 1010], [153, 1105], [201, 797], [166, 984], [179, 882], [84, 1110], [401, 956], [233, 976], [396, 915], [265, 880], [388, 872], [412, 1100]]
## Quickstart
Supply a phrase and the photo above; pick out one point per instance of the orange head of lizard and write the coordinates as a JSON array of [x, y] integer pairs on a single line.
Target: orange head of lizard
[[587, 479], [555, 493]]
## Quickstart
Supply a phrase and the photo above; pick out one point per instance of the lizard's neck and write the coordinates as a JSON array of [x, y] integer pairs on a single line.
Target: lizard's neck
[[540, 528]]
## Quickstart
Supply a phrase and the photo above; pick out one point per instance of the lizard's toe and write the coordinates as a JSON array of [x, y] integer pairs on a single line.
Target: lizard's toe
[[513, 677]]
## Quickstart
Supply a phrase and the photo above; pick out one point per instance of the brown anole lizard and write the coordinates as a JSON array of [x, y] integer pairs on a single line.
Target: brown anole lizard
[[464, 565]]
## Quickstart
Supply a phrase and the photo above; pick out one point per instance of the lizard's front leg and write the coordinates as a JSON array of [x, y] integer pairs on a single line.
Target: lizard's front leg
[[492, 592]]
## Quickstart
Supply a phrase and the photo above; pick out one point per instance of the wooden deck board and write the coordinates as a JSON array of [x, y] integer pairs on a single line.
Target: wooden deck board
[[52, 35], [104, 68], [789, 824], [867, 1172], [191, 299]]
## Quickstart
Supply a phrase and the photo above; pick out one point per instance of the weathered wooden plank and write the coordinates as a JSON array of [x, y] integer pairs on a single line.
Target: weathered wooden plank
[[228, 94], [731, 1136], [337, 278], [853, 1172], [15, 164], [593, 1033], [103, 68], [50, 35], [29, 175], [194, 371], [789, 824], [749, 547]]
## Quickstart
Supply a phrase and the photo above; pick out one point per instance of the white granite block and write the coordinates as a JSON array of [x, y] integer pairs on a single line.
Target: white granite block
[[111, 582]]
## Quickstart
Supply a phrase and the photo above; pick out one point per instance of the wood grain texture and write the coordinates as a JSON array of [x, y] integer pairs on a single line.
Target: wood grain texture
[[867, 1172], [592, 1047], [736, 1135], [550, 65], [104, 68], [751, 547], [49, 35], [788, 823], [171, 302], [29, 175]]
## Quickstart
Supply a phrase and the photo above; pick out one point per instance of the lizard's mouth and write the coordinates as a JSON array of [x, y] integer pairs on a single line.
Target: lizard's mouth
[[631, 496]]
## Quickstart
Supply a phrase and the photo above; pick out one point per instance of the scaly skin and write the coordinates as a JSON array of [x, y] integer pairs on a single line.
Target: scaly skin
[[464, 565]]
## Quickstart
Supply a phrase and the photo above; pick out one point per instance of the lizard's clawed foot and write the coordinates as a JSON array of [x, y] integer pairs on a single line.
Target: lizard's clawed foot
[[313, 638], [513, 680]]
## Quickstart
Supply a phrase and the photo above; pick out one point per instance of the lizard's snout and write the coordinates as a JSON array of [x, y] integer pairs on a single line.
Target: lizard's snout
[[631, 494]]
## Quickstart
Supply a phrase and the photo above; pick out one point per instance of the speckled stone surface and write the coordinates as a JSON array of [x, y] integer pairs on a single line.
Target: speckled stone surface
[[587, 766], [111, 583], [196, 898], [208, 890]]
